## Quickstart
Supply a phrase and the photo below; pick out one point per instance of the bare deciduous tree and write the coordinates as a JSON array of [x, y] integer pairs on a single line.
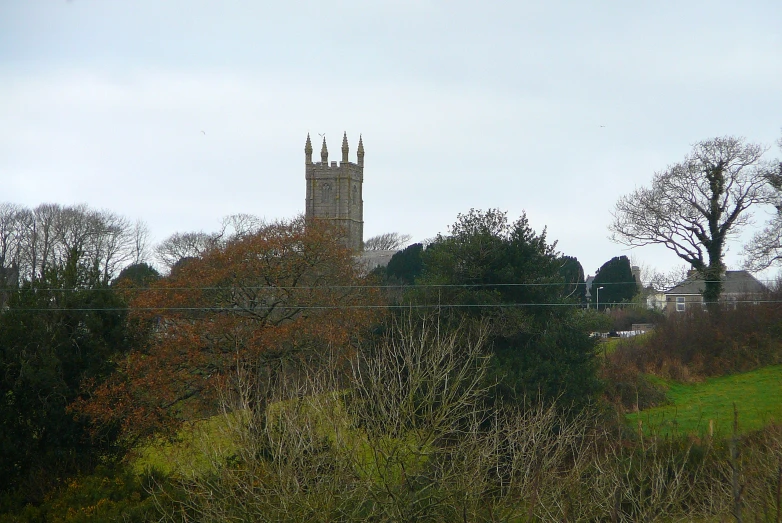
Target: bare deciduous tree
[[239, 225], [765, 248], [10, 234], [411, 438], [181, 245], [695, 206], [388, 241], [34, 240], [662, 281], [140, 236]]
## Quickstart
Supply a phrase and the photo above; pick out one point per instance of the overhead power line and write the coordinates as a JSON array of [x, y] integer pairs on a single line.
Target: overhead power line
[[319, 287], [353, 307]]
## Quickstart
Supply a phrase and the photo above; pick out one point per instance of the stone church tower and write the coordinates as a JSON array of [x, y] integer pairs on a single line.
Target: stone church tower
[[334, 191]]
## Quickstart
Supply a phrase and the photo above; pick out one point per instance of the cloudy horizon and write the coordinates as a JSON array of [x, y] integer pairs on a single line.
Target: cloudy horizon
[[180, 113]]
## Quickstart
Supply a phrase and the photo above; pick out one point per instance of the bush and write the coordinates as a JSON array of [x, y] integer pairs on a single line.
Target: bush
[[623, 318], [629, 388], [412, 438], [699, 344], [108, 494]]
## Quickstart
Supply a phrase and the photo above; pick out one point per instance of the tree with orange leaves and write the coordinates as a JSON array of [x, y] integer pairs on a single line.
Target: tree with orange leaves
[[265, 305]]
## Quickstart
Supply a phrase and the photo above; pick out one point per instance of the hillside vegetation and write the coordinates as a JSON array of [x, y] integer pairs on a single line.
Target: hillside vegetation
[[267, 378]]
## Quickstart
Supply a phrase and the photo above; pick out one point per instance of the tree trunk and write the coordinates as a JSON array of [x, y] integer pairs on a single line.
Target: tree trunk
[[713, 290], [713, 275]]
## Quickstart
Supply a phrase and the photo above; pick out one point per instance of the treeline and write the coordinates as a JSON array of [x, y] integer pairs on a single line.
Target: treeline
[[34, 240], [315, 393]]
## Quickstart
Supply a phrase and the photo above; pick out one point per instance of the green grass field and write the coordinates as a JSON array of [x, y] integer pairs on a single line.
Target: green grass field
[[757, 396]]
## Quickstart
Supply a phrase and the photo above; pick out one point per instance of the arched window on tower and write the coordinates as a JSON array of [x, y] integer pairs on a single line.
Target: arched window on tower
[[355, 195], [325, 193]]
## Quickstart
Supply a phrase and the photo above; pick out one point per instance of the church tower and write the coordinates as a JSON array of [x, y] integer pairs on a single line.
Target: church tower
[[334, 191]]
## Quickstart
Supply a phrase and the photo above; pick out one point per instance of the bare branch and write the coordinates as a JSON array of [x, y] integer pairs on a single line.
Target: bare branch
[[388, 241], [694, 207]]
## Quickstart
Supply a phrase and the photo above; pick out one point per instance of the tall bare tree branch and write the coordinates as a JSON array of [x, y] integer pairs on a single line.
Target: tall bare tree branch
[[695, 206]]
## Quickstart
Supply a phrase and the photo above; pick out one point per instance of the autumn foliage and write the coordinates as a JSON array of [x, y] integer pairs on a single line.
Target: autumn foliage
[[264, 304]]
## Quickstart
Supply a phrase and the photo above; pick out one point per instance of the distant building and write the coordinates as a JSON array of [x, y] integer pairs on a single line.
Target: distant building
[[588, 285], [737, 285], [656, 301], [335, 192], [371, 260]]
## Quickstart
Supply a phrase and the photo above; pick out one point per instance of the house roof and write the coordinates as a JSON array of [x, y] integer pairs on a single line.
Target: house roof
[[736, 282]]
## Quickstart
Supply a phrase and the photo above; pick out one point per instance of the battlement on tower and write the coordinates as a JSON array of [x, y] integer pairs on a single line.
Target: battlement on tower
[[334, 168]]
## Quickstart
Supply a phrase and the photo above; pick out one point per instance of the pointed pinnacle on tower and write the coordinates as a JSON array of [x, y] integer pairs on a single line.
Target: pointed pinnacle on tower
[[308, 150], [324, 152], [345, 147], [360, 150]]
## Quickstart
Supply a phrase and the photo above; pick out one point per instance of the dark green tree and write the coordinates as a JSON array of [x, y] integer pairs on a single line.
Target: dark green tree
[[406, 265], [59, 334], [573, 273], [506, 276], [616, 283], [138, 275]]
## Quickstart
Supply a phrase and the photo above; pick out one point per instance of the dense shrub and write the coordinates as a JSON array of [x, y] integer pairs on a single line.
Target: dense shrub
[[488, 269], [627, 387], [108, 494], [699, 344], [411, 439], [623, 318]]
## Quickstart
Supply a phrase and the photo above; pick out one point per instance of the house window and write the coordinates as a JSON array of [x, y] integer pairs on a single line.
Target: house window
[[680, 304]]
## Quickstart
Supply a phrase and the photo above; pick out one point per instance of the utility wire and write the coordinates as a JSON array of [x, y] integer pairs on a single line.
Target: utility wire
[[323, 287], [238, 309]]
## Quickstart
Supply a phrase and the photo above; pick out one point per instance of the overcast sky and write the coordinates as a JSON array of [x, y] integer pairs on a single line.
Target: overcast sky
[[182, 112]]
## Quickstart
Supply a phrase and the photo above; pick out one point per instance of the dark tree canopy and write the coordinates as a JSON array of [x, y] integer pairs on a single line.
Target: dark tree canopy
[[693, 207], [505, 274], [406, 265], [573, 273], [59, 333], [616, 282], [138, 274]]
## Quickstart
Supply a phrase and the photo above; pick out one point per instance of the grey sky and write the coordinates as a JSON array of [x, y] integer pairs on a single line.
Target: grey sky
[[461, 104]]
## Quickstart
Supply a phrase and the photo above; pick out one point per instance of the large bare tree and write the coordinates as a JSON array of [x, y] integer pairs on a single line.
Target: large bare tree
[[693, 207]]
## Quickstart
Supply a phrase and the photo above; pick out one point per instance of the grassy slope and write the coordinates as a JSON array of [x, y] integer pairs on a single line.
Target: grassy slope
[[757, 395]]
